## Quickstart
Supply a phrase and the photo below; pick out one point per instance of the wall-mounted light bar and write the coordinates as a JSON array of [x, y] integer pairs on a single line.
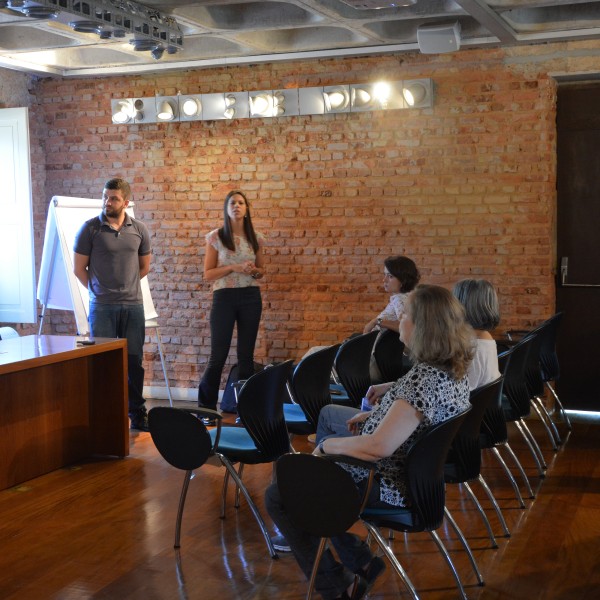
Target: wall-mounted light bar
[[363, 97]]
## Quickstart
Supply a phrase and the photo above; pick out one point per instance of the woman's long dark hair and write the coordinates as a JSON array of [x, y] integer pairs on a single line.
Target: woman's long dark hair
[[225, 232]]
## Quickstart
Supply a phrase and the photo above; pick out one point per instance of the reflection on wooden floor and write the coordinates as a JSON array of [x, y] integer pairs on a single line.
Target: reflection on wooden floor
[[105, 529]]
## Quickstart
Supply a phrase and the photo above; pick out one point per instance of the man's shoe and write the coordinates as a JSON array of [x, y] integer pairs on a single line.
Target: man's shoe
[[372, 571], [280, 544], [140, 422]]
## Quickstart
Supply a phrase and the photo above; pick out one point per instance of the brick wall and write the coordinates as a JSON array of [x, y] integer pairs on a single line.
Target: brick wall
[[467, 189]]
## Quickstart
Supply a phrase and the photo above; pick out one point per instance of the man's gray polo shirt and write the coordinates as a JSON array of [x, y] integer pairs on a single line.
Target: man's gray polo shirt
[[114, 269]]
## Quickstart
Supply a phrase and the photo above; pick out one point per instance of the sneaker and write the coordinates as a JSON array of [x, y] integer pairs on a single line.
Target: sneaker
[[280, 544], [373, 570], [140, 422], [209, 421]]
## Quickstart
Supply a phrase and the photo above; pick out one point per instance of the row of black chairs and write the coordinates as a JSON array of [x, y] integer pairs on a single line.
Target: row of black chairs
[[449, 453]]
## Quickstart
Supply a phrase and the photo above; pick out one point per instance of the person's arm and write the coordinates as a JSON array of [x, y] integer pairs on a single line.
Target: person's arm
[[370, 325], [258, 271], [390, 324], [144, 265], [80, 268], [211, 269], [395, 428]]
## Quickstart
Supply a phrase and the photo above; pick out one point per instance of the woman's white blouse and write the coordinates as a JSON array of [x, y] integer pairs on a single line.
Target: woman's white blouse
[[243, 252]]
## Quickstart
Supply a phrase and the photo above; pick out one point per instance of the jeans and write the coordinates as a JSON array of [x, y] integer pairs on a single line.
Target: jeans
[[332, 421], [124, 321], [231, 306]]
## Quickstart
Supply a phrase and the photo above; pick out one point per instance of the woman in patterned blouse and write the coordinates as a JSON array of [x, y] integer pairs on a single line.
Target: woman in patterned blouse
[[435, 389], [233, 262]]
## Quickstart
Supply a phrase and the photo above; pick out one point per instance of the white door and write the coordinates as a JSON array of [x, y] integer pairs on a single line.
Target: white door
[[17, 264]]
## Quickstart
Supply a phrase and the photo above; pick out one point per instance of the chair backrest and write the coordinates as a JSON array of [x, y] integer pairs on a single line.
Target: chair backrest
[[180, 437], [389, 352], [260, 408], [352, 365], [464, 458], [515, 384], [548, 357], [533, 370], [424, 466], [310, 382], [320, 497], [493, 429]]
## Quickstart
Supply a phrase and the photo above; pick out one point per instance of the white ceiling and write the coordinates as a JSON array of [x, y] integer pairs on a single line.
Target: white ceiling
[[231, 32]]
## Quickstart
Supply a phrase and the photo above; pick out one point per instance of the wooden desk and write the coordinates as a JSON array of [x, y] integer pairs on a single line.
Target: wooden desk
[[60, 403]]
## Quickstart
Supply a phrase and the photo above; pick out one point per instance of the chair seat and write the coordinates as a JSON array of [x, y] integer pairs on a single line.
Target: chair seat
[[401, 518], [237, 445], [296, 420]]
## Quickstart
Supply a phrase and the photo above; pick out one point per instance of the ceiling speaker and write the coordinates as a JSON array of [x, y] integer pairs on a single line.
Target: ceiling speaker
[[437, 39]]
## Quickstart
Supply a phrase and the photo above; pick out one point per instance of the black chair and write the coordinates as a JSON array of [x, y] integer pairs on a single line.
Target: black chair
[[263, 437], [352, 366], [389, 356], [549, 361], [424, 468], [320, 497], [184, 442], [493, 435], [516, 404], [309, 389], [463, 463]]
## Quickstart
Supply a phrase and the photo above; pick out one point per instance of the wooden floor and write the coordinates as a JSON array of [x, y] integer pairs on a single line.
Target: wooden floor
[[105, 529]]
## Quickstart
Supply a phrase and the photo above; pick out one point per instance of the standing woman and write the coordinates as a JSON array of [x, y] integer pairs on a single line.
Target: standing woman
[[233, 262]]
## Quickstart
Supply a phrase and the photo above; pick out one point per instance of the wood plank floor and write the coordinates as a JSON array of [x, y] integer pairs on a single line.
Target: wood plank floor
[[105, 529]]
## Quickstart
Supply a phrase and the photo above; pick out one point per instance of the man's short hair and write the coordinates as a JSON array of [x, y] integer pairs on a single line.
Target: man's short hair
[[119, 184]]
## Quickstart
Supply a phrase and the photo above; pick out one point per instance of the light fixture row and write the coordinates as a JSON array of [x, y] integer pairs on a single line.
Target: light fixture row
[[364, 97], [146, 29]]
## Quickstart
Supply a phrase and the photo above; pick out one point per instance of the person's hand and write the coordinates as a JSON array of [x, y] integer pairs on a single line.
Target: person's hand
[[375, 392], [354, 422]]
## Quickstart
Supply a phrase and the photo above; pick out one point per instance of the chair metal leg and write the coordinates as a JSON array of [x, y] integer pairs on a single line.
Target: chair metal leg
[[465, 545], [564, 415], [551, 422], [541, 465], [240, 473], [546, 422], [521, 469], [257, 516], [510, 476], [534, 442], [492, 499], [315, 569], [482, 513], [184, 489], [444, 552], [387, 550]]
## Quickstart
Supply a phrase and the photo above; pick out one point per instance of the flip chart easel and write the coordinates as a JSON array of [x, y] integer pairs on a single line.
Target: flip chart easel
[[57, 285]]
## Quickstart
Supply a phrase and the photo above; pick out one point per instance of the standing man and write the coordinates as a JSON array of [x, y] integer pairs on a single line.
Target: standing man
[[112, 254]]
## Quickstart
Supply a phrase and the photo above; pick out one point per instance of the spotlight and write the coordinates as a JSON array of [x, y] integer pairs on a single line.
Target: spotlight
[[417, 93], [165, 109], [122, 111], [190, 107], [336, 99], [229, 110], [360, 98]]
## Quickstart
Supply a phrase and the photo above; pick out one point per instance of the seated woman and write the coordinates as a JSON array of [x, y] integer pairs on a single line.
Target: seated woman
[[400, 276], [482, 311], [433, 327]]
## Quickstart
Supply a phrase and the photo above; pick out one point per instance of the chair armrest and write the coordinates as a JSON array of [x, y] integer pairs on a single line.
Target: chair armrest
[[211, 414], [357, 462]]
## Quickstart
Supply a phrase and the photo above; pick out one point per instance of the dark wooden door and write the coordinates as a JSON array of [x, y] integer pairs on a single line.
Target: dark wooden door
[[578, 244]]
